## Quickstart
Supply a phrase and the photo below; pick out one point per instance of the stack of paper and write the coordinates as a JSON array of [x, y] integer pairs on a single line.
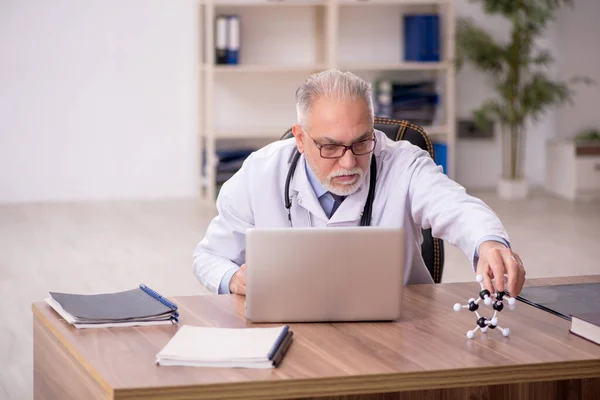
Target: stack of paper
[[226, 347], [141, 306]]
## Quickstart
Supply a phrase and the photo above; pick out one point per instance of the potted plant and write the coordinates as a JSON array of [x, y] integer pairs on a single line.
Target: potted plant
[[588, 137], [518, 70]]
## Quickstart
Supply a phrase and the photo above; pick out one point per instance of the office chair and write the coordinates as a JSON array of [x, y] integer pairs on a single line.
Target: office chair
[[432, 249]]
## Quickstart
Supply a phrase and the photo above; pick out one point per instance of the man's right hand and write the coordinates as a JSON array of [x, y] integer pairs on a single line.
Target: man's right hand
[[237, 285]]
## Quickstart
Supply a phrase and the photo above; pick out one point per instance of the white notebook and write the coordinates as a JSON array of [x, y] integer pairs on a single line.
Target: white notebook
[[226, 347]]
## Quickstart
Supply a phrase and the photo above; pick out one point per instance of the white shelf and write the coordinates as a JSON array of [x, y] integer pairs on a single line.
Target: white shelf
[[351, 66], [393, 2], [266, 3], [296, 3], [401, 66], [438, 131], [250, 133], [243, 68]]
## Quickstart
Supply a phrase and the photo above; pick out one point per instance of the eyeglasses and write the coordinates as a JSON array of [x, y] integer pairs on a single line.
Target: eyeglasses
[[359, 148]]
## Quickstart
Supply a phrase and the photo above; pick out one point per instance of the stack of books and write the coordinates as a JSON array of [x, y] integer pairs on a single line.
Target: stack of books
[[576, 302], [416, 102], [229, 162], [136, 307], [226, 347]]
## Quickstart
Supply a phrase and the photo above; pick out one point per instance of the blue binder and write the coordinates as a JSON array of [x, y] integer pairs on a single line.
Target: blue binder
[[441, 152], [422, 38]]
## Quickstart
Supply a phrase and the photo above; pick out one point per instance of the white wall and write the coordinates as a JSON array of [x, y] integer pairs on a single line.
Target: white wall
[[98, 99], [578, 43], [479, 162]]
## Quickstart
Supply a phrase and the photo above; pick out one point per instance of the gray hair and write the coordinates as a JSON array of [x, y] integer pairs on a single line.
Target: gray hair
[[331, 84]]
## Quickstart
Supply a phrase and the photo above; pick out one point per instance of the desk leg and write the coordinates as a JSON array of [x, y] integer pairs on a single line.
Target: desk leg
[[574, 389], [56, 373]]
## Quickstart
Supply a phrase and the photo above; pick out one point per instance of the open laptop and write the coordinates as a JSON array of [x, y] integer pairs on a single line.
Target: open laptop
[[324, 274]]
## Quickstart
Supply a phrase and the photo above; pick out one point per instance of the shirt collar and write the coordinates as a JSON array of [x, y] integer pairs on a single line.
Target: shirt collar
[[314, 182]]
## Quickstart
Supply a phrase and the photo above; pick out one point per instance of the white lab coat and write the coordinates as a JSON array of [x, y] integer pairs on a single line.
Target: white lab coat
[[411, 191]]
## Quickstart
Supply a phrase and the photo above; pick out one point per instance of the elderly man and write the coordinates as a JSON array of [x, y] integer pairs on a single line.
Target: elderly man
[[332, 156]]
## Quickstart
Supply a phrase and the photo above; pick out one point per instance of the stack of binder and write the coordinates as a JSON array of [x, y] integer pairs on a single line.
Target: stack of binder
[[136, 307], [227, 39], [229, 162], [226, 347], [416, 102]]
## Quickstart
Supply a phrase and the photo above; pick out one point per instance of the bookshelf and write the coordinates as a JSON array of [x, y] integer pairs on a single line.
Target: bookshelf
[[250, 104]]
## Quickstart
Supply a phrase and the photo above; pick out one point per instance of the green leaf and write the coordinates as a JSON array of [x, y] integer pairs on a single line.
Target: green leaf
[[475, 45], [512, 8], [507, 8], [543, 57], [491, 110], [541, 92], [582, 79]]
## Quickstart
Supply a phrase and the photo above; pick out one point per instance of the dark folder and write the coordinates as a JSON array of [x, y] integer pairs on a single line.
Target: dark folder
[[140, 306], [563, 300]]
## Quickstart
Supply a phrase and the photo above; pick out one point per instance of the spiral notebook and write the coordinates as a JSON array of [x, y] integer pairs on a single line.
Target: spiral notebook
[[136, 307], [195, 346]]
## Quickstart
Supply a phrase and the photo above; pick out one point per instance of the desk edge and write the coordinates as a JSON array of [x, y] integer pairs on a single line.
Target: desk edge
[[62, 340], [444, 379]]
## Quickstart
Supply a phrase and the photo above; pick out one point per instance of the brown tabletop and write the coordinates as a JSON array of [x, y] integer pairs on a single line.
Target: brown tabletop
[[423, 353]]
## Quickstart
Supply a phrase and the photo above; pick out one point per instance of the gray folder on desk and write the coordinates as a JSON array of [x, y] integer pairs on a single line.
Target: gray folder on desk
[[130, 304], [563, 300]]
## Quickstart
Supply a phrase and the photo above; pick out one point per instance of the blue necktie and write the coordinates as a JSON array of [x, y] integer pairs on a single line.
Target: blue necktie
[[337, 200]]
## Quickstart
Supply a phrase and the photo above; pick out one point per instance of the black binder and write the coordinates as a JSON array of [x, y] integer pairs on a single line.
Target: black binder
[[563, 300]]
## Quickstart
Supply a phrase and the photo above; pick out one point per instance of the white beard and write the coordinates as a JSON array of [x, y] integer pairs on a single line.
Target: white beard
[[344, 188]]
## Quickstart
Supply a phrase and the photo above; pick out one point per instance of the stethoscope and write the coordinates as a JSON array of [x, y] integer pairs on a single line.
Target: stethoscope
[[366, 214]]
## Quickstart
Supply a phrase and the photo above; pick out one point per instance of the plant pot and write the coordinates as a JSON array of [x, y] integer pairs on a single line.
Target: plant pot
[[509, 189]]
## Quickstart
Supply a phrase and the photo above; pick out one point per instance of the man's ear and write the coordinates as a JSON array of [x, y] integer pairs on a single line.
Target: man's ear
[[299, 135]]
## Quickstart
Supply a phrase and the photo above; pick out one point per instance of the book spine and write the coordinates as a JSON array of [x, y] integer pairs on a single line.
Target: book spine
[[411, 45], [436, 38], [163, 300], [233, 39], [221, 40]]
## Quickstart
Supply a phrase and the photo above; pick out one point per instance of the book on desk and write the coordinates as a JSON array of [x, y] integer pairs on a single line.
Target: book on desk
[[195, 346], [578, 303], [135, 307], [587, 326]]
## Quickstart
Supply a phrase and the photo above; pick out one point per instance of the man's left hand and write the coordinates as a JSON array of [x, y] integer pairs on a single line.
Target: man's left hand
[[496, 260]]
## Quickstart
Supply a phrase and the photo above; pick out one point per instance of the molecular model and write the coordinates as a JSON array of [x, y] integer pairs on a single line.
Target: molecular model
[[497, 305]]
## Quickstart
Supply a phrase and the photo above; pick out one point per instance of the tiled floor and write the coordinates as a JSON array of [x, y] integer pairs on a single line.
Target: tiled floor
[[115, 246]]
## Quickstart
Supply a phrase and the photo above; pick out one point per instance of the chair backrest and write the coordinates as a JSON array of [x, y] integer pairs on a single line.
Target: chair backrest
[[432, 249]]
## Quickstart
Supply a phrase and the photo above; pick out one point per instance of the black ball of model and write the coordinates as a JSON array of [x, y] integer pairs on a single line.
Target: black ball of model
[[481, 322], [473, 306], [484, 293], [498, 306]]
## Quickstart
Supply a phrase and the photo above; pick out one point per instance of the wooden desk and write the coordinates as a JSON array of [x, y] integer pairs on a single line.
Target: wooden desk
[[425, 355]]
